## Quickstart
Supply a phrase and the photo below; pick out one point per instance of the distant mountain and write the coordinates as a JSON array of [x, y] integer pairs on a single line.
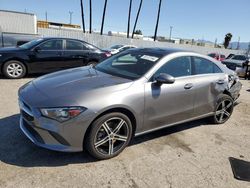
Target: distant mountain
[[204, 41], [243, 45]]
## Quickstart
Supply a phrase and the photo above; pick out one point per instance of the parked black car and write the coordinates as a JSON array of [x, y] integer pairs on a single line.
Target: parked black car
[[47, 55]]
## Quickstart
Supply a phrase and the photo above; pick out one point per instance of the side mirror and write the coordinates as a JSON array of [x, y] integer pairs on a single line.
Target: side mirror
[[164, 79]]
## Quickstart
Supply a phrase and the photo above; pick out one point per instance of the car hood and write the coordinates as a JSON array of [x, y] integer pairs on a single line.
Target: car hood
[[69, 86]]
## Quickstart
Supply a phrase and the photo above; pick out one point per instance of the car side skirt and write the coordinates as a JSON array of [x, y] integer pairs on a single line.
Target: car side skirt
[[176, 123]]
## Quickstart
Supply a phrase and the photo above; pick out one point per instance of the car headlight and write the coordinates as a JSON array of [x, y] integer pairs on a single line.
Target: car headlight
[[62, 114]]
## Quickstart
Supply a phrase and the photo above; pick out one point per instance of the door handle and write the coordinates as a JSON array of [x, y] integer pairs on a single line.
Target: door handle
[[220, 81], [188, 86]]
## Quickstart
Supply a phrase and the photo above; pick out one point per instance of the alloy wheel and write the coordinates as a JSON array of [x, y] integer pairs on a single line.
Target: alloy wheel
[[224, 110], [111, 136], [14, 70]]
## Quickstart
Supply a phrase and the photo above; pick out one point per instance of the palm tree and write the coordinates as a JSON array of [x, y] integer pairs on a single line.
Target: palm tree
[[90, 16], [157, 22], [83, 23], [103, 16], [227, 40], [137, 16], [129, 13]]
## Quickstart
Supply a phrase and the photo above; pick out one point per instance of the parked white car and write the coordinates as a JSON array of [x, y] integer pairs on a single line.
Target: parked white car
[[119, 48]]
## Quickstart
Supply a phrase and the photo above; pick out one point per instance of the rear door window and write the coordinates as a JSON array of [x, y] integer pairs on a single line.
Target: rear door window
[[75, 45], [204, 66]]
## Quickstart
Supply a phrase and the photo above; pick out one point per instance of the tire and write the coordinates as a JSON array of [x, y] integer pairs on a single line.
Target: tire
[[109, 135], [223, 110], [92, 63], [14, 69]]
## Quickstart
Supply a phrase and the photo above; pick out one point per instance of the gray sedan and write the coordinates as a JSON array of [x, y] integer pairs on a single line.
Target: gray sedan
[[100, 108]]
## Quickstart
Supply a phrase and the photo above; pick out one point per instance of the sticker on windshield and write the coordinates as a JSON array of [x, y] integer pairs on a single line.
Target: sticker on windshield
[[149, 58]]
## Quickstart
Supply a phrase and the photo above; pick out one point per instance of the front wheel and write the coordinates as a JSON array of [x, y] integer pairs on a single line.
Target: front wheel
[[109, 135], [14, 69], [224, 109]]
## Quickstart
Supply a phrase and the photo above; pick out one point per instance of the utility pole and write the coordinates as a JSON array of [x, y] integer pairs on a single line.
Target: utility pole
[[46, 16], [83, 22], [248, 51], [238, 44], [129, 14], [170, 34], [137, 16], [70, 17], [215, 43], [157, 22], [103, 16], [90, 16]]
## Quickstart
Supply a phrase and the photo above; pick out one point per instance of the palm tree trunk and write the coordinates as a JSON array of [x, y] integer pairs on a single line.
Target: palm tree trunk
[[90, 16], [137, 16], [157, 22], [103, 16], [83, 23], [129, 14]]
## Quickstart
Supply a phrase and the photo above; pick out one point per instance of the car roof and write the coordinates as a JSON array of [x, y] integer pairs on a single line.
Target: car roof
[[161, 51], [47, 38], [63, 38]]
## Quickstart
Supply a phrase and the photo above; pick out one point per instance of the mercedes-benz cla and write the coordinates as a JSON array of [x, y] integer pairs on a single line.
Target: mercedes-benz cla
[[100, 108]]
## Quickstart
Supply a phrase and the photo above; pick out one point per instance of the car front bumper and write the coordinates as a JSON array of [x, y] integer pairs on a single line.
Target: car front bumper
[[53, 135]]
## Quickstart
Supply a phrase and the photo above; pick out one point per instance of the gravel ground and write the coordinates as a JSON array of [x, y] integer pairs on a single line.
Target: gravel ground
[[189, 155]]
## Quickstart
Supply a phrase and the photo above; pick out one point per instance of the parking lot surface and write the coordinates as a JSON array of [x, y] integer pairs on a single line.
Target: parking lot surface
[[189, 155]]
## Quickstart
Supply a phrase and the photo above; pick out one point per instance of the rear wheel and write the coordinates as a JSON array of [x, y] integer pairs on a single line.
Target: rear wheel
[[14, 69], [109, 135], [92, 63], [224, 109]]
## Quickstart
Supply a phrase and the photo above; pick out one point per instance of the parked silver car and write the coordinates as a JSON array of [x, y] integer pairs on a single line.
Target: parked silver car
[[236, 63], [101, 108]]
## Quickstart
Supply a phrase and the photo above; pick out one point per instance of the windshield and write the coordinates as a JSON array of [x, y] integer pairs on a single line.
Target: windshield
[[130, 64], [212, 55], [31, 44], [239, 57], [116, 46]]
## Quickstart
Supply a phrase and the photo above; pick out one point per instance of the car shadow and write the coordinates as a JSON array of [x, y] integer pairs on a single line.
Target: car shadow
[[168, 131], [17, 150]]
